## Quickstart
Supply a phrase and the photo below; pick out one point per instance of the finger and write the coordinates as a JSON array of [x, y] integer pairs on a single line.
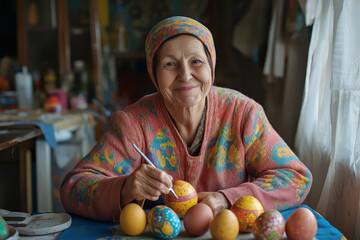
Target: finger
[[142, 179], [201, 195], [147, 193], [150, 185], [159, 175]]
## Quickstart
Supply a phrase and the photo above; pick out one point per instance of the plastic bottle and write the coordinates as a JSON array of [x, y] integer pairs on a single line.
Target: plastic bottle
[[81, 78], [24, 89]]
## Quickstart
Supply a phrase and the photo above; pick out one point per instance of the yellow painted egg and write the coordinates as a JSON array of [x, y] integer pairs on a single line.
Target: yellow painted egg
[[301, 224], [269, 225], [163, 222], [224, 225], [247, 209], [133, 219], [187, 198]]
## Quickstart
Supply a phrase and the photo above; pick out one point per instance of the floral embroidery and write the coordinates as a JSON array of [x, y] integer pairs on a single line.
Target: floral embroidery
[[162, 152], [222, 151], [85, 189], [281, 154], [124, 167], [103, 157]]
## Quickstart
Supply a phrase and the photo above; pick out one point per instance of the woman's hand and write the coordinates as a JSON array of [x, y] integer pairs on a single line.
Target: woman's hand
[[146, 182], [215, 200]]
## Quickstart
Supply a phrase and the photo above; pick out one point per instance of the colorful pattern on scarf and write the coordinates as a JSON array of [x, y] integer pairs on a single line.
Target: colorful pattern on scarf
[[173, 26]]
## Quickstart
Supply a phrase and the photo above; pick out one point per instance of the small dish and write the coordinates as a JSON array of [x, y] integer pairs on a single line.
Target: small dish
[[46, 223], [13, 234]]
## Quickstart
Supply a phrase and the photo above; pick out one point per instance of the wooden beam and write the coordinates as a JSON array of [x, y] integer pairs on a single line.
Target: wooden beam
[[64, 50]]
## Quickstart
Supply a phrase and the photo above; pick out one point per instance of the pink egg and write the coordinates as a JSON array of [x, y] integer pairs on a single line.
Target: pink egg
[[301, 224], [269, 225], [197, 219]]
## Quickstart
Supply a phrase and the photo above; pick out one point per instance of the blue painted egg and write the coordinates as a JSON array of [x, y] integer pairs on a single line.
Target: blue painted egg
[[163, 222]]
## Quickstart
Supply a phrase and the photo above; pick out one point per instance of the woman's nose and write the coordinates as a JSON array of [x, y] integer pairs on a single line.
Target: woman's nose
[[184, 73]]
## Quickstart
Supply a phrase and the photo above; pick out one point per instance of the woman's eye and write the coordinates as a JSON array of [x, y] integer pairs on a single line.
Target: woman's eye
[[197, 61], [169, 64]]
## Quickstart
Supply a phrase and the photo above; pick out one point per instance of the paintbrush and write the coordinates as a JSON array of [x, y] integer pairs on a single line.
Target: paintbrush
[[149, 162]]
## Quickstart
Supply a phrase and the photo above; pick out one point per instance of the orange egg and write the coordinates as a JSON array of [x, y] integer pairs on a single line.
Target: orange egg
[[224, 225], [247, 209], [301, 224], [187, 198], [133, 219]]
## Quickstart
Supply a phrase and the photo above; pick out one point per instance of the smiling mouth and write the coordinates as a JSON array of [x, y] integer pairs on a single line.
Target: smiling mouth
[[185, 88]]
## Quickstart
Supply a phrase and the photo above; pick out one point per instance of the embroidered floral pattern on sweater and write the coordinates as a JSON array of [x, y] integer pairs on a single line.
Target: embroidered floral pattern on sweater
[[117, 129], [124, 167], [85, 190], [104, 157], [222, 151], [162, 150], [282, 155]]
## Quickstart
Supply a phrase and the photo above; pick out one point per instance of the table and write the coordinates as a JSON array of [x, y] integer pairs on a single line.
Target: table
[[20, 135], [45, 129], [83, 228]]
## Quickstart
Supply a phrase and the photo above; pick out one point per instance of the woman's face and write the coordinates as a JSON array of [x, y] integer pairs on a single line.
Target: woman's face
[[183, 71]]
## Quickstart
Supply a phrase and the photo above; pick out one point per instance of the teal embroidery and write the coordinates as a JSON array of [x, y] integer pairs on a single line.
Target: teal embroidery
[[124, 167]]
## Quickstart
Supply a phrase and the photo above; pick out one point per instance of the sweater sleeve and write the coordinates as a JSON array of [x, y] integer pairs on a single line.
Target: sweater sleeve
[[275, 176], [92, 188]]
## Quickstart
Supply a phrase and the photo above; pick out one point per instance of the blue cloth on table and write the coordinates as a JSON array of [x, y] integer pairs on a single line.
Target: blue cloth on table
[[47, 129], [83, 228], [324, 230]]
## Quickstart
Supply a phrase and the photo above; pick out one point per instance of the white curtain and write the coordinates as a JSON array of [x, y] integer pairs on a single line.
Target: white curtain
[[328, 134]]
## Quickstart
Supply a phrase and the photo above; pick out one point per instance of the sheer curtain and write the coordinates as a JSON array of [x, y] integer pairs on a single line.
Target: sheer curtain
[[328, 134]]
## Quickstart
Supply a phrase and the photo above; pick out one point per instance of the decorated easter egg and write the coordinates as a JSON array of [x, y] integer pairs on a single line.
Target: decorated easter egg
[[133, 219], [301, 224], [197, 219], [187, 197], [269, 225], [163, 222], [224, 225], [247, 209], [4, 229]]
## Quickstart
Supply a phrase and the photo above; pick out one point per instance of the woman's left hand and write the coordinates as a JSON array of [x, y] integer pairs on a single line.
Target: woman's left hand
[[215, 200]]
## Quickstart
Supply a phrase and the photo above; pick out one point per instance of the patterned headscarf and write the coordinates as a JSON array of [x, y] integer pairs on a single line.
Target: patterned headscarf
[[173, 26]]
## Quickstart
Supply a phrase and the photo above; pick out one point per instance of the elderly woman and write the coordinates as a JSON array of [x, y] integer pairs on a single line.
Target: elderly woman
[[217, 139]]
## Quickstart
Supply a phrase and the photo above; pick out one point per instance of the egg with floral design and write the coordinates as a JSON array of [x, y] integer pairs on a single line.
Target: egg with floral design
[[247, 209], [163, 222], [187, 197], [269, 225]]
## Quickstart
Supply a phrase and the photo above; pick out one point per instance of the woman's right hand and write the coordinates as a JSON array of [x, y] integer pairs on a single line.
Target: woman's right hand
[[146, 182]]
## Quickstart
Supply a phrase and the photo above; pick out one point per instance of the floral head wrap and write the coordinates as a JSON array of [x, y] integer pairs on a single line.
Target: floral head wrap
[[173, 26]]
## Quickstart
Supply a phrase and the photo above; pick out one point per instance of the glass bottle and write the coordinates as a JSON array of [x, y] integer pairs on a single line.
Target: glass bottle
[[24, 89]]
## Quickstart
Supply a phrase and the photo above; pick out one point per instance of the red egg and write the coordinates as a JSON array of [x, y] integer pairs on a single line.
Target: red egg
[[301, 224], [197, 219], [269, 225]]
